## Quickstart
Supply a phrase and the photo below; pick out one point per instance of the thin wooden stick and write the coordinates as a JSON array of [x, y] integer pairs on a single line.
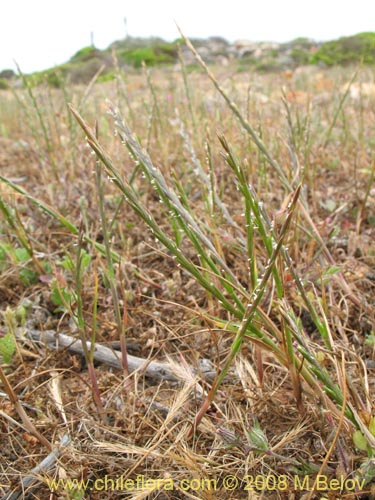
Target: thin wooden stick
[[153, 369]]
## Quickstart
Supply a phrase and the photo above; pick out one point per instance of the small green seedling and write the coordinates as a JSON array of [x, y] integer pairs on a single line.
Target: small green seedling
[[7, 347]]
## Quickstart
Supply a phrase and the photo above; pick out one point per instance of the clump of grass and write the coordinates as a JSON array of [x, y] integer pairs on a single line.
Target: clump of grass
[[288, 343], [237, 265]]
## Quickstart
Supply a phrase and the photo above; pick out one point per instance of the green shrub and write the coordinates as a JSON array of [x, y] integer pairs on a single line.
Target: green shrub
[[85, 54], [107, 77], [167, 49], [161, 53], [56, 76], [136, 56], [4, 84], [347, 50], [300, 56]]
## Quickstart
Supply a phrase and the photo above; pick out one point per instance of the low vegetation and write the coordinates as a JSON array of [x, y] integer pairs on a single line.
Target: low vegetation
[[187, 284], [347, 50], [131, 52]]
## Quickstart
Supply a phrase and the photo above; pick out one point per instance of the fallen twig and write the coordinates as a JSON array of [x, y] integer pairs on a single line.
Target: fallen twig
[[44, 466], [153, 369]]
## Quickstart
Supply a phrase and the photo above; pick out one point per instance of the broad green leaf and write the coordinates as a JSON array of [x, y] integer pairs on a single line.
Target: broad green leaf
[[360, 441]]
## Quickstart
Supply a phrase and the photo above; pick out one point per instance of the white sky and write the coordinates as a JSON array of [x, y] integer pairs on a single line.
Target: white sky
[[39, 34]]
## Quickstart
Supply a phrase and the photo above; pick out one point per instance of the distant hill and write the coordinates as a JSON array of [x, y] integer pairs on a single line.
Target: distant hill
[[131, 52]]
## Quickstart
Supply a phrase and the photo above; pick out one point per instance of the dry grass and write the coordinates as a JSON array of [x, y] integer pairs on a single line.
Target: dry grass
[[146, 426]]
